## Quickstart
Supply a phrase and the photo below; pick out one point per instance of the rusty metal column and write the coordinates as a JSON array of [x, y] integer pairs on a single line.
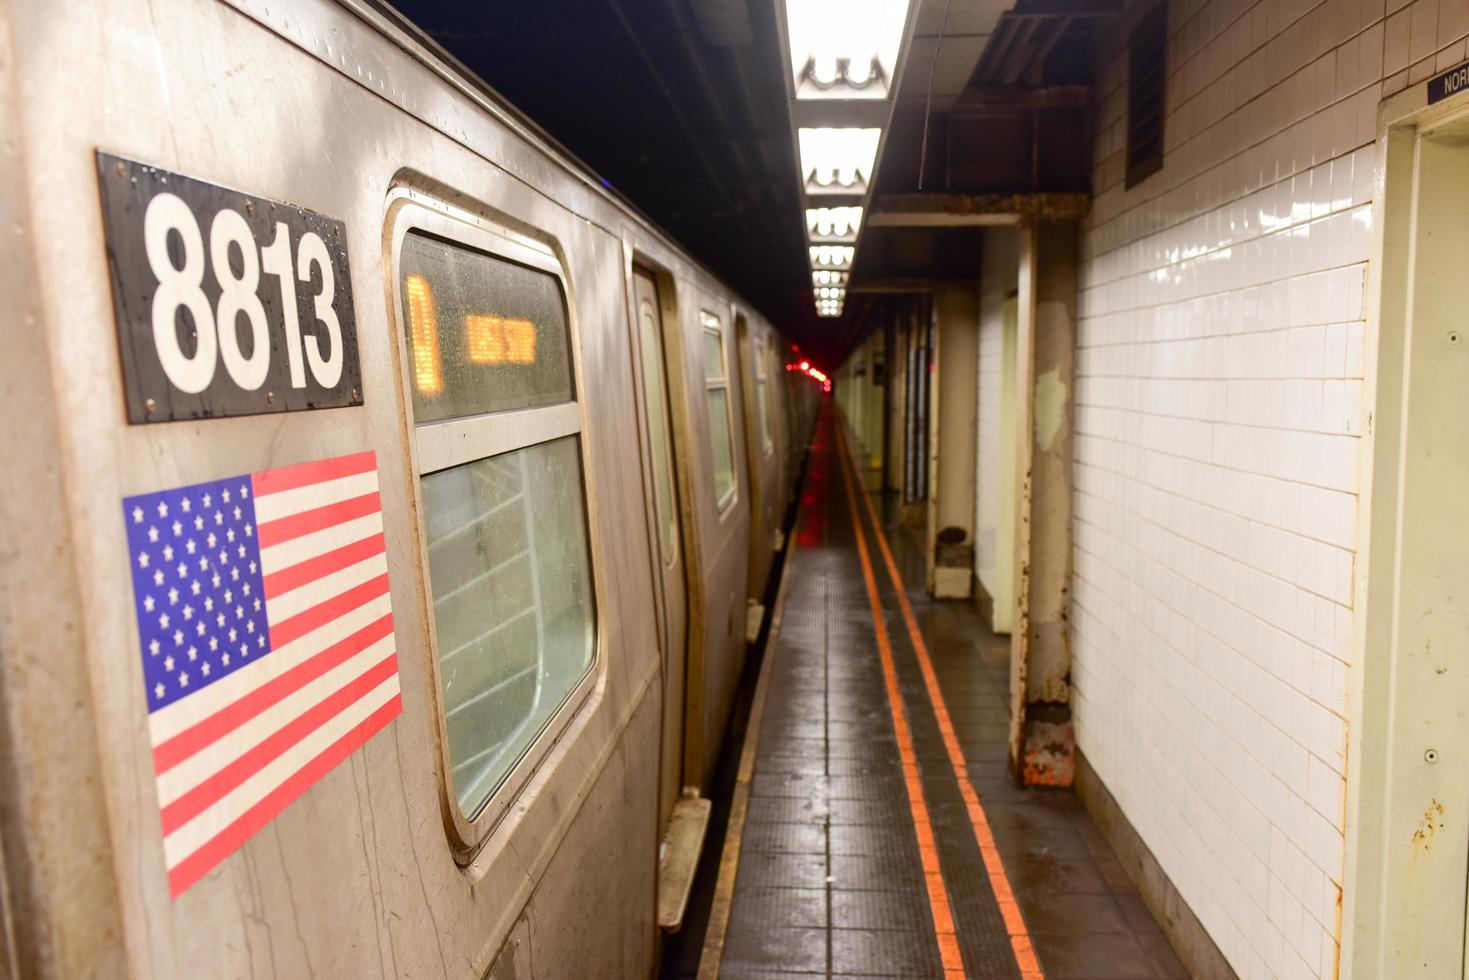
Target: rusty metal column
[[1042, 740]]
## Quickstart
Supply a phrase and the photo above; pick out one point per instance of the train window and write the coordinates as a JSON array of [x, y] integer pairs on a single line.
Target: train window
[[713, 346], [498, 453], [716, 395], [512, 591], [652, 350], [762, 407]]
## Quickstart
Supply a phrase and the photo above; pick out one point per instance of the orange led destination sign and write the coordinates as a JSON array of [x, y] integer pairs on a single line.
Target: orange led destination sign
[[423, 324], [500, 340], [488, 340]]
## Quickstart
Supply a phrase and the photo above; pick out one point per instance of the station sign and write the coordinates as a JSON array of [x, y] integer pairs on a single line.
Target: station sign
[[1451, 82], [226, 303]]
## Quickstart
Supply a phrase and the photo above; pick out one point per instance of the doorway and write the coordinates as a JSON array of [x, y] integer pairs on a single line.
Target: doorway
[[672, 597], [1407, 824]]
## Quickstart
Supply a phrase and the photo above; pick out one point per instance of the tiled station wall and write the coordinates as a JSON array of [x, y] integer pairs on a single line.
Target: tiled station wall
[[1218, 413]]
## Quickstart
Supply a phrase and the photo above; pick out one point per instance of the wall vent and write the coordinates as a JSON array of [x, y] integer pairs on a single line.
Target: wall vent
[[1146, 73]]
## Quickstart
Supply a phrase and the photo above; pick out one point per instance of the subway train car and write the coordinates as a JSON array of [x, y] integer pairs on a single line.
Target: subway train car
[[384, 504]]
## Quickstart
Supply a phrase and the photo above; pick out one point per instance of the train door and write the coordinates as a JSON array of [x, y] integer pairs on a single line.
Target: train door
[[760, 464], [672, 598]]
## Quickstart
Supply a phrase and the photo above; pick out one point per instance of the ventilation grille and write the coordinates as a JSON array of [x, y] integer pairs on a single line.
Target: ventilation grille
[[1145, 79]]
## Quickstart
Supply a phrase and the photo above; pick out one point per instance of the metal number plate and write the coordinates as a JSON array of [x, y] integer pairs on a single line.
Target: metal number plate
[[226, 303]]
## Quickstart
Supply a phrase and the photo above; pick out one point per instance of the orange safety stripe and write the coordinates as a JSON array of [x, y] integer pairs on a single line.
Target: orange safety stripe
[[938, 896], [1020, 941]]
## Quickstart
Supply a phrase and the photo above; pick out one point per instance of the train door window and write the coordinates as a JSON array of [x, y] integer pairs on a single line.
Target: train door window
[[497, 445], [762, 407], [716, 394], [658, 427]]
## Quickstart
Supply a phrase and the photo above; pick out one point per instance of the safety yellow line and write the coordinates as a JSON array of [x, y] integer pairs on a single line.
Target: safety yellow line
[[938, 896], [1020, 941]]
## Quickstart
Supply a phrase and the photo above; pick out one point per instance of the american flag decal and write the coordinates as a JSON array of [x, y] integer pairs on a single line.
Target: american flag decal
[[267, 644]]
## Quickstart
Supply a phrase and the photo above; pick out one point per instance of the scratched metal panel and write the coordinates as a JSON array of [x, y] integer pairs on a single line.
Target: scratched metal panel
[[356, 878]]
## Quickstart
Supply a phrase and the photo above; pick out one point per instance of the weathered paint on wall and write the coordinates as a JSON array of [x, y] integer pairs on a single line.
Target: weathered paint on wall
[[1042, 742]]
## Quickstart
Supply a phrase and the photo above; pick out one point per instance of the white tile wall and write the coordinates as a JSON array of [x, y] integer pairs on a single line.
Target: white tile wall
[[997, 278], [1219, 380]]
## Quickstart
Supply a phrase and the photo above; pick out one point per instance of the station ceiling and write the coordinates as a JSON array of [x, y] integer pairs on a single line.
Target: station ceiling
[[681, 106]]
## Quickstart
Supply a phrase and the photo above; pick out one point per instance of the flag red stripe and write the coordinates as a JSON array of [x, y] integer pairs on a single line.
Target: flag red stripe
[[211, 790], [302, 573], [227, 841], [305, 474], [168, 754], [318, 519], [319, 615]]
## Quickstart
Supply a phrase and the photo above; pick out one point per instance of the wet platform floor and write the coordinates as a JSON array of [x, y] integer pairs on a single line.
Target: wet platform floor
[[852, 864]]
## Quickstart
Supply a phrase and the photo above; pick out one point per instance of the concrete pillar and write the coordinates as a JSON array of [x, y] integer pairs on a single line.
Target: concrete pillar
[[895, 358], [1042, 740], [956, 310], [865, 407], [914, 512], [872, 408]]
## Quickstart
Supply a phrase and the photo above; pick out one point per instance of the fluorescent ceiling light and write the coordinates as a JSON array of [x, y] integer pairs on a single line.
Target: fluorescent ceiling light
[[830, 293], [827, 277], [844, 49], [837, 161], [831, 256], [833, 224]]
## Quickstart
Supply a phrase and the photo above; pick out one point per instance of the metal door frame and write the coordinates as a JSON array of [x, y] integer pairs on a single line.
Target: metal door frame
[[1398, 894], [665, 295]]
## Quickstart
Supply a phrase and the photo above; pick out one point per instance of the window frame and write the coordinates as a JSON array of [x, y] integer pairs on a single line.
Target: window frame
[[722, 505], [665, 310], [443, 444], [760, 355], [670, 550]]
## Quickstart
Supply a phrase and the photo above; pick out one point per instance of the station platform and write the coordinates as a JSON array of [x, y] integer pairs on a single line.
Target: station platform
[[874, 828]]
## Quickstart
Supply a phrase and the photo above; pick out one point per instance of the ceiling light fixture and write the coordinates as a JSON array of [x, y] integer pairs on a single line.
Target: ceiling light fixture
[[844, 57], [844, 49], [837, 161], [833, 224], [832, 256]]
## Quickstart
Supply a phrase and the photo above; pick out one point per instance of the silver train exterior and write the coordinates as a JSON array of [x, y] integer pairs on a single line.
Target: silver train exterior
[[378, 868]]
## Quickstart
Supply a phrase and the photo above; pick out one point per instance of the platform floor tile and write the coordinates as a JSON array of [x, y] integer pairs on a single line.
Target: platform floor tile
[[830, 879]]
